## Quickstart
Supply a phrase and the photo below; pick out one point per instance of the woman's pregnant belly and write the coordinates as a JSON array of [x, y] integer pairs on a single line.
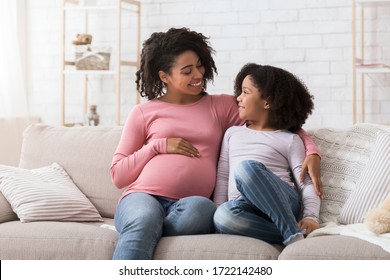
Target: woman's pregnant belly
[[177, 176]]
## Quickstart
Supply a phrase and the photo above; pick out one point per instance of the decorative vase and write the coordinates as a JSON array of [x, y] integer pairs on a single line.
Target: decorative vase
[[93, 116]]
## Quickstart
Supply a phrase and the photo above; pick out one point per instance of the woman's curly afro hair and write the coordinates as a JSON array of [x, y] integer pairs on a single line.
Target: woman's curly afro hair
[[290, 101], [159, 52]]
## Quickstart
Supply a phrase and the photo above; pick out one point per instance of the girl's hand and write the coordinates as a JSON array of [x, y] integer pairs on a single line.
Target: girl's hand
[[311, 165], [181, 146], [309, 225]]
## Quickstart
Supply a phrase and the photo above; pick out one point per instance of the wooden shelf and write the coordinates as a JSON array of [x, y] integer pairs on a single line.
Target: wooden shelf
[[357, 67], [68, 69], [122, 63], [370, 69], [99, 8], [373, 3], [90, 72]]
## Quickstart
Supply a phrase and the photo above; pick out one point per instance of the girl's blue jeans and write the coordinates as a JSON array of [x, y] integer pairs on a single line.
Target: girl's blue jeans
[[268, 209], [142, 219]]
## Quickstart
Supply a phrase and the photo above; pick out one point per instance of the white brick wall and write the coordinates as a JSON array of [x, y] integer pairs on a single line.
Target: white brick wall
[[312, 39]]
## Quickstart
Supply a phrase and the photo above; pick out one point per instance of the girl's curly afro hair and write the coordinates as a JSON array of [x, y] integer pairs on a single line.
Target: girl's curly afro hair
[[159, 52], [290, 101]]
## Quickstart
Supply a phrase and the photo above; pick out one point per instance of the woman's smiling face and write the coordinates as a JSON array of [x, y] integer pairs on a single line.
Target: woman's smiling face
[[186, 75]]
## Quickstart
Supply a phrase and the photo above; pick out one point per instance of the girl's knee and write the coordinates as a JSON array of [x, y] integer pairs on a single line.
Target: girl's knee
[[221, 217], [225, 218]]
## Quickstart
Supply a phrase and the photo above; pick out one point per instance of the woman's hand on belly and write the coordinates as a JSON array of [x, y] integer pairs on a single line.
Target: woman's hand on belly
[[181, 146]]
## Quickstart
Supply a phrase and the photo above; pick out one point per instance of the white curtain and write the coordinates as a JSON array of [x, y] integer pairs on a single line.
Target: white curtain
[[13, 93], [14, 115]]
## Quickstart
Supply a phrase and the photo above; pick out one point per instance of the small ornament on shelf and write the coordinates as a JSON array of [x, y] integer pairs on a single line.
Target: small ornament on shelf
[[93, 116], [89, 57], [82, 39]]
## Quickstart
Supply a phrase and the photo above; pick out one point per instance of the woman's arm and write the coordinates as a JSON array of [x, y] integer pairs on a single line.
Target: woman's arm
[[132, 153], [310, 146], [312, 162]]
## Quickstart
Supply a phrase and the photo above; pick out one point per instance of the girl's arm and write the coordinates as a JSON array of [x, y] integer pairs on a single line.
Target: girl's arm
[[310, 200], [221, 188], [133, 153]]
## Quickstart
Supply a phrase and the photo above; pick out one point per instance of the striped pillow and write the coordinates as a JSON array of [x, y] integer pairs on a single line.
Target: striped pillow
[[45, 194], [371, 188]]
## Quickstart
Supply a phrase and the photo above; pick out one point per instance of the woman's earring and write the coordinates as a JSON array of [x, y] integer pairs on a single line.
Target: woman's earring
[[164, 88]]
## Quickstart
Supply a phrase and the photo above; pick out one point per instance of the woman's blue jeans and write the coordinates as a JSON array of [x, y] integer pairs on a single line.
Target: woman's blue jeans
[[268, 209], [142, 219]]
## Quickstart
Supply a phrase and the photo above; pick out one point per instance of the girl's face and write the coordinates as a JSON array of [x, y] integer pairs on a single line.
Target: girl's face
[[186, 77], [250, 104]]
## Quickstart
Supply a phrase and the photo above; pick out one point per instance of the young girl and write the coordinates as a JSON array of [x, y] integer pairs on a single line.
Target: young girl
[[167, 156], [260, 162]]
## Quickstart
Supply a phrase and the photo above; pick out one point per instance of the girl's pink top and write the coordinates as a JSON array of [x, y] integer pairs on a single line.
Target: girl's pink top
[[142, 164]]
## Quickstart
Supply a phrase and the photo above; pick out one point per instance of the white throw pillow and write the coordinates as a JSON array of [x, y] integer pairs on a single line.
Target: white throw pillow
[[371, 188], [45, 194], [345, 153]]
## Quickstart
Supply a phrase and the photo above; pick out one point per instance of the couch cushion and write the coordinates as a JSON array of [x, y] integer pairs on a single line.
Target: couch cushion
[[56, 240], [45, 194], [372, 186], [84, 152], [59, 240], [333, 247], [345, 153], [215, 247]]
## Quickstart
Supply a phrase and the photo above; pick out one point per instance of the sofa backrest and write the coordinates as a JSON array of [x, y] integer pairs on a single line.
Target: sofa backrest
[[11, 130], [84, 152]]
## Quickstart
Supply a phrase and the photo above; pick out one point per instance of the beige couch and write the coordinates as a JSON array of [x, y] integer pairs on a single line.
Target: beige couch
[[85, 153]]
